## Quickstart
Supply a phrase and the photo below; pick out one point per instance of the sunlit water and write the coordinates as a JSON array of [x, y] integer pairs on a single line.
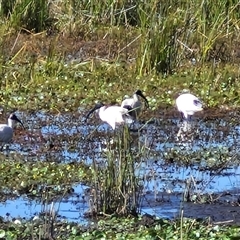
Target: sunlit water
[[164, 183]]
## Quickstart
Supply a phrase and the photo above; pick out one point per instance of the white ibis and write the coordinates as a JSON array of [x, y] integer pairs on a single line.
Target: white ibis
[[135, 103], [6, 130], [113, 115], [188, 104]]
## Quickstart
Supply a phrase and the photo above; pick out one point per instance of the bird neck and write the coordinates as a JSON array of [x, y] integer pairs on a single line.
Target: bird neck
[[10, 123], [135, 97]]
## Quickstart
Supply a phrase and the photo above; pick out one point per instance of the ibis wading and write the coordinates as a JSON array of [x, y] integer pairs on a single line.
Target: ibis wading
[[188, 104], [6, 130], [135, 103], [113, 115]]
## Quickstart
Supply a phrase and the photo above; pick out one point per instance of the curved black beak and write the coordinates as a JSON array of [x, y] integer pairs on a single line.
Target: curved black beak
[[97, 106], [139, 93]]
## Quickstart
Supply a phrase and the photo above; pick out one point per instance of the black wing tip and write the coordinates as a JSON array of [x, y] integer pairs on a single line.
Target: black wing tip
[[128, 107], [197, 102]]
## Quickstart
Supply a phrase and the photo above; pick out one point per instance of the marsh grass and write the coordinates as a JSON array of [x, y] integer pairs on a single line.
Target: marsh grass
[[49, 216], [115, 184], [168, 29], [31, 15], [97, 50]]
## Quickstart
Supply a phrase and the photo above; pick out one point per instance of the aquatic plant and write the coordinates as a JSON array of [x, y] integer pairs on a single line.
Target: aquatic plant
[[59, 55], [116, 189], [146, 227]]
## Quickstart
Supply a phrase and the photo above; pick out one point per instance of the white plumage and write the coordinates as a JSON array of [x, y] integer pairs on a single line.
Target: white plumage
[[113, 115], [188, 104], [6, 130], [135, 103]]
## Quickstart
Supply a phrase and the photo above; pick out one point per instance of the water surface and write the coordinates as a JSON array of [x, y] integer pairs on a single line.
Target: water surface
[[203, 159]]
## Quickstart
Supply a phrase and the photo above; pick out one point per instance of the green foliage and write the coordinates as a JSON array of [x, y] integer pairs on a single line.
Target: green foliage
[[28, 14], [171, 32], [29, 177], [148, 45], [54, 85], [141, 40], [7, 7], [168, 29], [113, 228], [115, 183]]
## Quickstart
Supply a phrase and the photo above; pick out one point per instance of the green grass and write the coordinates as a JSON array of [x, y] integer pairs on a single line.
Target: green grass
[[115, 181], [118, 46]]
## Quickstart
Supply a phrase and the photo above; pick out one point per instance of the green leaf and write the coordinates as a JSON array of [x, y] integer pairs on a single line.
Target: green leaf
[[2, 233]]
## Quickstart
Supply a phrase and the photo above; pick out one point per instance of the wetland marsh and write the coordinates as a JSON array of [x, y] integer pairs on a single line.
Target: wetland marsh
[[64, 178], [49, 164]]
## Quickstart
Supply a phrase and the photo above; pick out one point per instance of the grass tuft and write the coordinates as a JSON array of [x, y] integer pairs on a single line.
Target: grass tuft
[[115, 182]]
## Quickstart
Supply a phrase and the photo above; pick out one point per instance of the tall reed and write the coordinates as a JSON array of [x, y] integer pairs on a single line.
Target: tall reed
[[115, 182], [32, 15], [170, 29]]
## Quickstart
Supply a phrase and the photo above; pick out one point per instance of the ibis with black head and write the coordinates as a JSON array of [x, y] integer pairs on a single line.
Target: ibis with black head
[[6, 130], [135, 103]]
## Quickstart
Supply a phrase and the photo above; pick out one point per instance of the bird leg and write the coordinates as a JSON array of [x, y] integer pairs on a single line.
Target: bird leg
[[2, 145], [184, 131]]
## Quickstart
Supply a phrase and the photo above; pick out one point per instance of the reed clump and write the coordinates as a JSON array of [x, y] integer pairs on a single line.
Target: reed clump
[[115, 185], [31, 15]]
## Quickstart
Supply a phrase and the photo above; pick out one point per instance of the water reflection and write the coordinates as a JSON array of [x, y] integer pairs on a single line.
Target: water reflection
[[71, 208]]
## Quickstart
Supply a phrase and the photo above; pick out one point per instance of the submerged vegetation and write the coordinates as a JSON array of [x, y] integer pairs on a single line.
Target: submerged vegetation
[[60, 56]]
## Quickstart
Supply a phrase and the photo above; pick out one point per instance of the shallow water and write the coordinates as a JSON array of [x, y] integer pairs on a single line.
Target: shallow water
[[211, 148]]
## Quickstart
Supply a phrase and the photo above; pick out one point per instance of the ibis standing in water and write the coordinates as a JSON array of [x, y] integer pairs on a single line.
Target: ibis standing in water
[[188, 104], [113, 115], [135, 103], [6, 130]]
